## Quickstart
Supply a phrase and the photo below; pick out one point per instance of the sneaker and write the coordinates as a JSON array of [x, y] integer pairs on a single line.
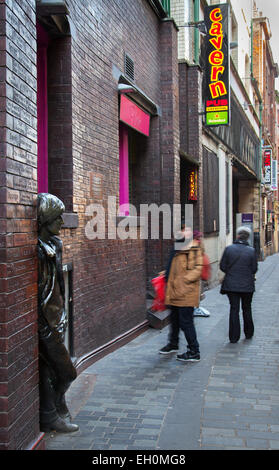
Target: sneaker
[[201, 312], [168, 349], [188, 357]]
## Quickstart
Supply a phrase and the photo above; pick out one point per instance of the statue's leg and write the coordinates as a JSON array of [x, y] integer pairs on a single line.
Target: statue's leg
[[48, 412], [64, 374], [58, 373]]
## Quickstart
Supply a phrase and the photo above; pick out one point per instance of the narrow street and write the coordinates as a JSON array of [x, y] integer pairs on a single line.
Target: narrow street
[[135, 398]]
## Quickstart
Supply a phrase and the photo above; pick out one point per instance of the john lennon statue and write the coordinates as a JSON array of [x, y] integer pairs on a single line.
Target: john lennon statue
[[56, 370]]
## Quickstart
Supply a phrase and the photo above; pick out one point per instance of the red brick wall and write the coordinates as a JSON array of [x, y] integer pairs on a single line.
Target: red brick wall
[[110, 276], [18, 260], [190, 122], [60, 154]]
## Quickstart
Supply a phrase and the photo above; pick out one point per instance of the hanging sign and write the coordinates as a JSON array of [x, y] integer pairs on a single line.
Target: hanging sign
[[267, 166], [217, 65], [193, 186], [274, 185], [134, 116]]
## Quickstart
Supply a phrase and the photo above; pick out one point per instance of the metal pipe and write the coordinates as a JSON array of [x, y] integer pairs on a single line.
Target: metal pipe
[[196, 31]]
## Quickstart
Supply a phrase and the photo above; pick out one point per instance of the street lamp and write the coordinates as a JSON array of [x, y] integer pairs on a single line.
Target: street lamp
[[195, 24]]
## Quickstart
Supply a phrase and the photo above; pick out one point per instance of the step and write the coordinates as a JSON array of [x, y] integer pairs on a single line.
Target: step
[[158, 319]]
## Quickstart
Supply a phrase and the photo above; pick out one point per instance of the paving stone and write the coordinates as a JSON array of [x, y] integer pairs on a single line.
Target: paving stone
[[135, 398]]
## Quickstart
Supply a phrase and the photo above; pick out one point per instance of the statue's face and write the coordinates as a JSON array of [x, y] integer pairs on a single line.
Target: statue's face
[[55, 226]]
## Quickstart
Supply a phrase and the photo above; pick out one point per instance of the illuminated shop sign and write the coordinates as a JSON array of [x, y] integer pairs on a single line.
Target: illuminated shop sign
[[193, 185], [134, 116], [267, 166], [217, 66]]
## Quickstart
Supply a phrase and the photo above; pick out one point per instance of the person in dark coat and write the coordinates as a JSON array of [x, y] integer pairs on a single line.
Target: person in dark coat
[[239, 263]]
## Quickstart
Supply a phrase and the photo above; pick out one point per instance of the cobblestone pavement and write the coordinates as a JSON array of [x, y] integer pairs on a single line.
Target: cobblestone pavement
[[135, 398]]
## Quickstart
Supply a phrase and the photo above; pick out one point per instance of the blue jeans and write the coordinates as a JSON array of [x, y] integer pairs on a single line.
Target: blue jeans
[[183, 318]]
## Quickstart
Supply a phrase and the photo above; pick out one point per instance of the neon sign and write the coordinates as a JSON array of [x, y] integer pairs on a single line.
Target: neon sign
[[193, 186], [217, 87]]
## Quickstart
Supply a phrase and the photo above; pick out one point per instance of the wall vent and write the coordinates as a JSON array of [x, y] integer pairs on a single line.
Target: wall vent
[[129, 68]]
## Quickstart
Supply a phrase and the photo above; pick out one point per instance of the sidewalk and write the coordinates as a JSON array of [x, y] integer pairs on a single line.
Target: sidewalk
[[135, 398]]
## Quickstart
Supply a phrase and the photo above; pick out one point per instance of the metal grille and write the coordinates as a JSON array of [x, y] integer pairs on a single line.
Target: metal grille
[[129, 67]]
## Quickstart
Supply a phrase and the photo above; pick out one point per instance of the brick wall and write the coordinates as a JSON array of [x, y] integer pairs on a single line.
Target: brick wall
[[110, 276], [190, 122], [60, 155], [18, 276], [170, 136]]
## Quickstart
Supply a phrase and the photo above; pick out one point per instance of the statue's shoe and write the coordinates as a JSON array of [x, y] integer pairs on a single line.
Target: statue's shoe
[[59, 425]]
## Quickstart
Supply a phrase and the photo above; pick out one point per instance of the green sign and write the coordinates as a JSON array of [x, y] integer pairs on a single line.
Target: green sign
[[217, 118]]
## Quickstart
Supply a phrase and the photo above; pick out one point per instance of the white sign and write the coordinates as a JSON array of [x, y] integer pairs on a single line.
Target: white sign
[[274, 184]]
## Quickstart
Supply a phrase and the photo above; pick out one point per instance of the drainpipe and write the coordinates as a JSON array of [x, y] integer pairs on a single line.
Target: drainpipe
[[196, 31], [260, 174], [254, 81], [251, 61], [261, 132]]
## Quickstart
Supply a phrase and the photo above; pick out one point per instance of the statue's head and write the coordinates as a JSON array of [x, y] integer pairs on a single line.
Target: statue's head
[[50, 210]]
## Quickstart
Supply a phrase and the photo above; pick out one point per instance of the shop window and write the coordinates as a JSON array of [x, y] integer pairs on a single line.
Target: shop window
[[132, 155], [210, 192], [133, 135]]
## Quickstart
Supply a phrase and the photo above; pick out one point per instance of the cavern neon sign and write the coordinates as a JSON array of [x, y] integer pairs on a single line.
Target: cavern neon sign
[[217, 87]]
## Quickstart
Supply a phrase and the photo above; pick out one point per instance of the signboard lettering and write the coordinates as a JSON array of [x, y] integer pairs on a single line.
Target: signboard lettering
[[267, 166], [217, 89]]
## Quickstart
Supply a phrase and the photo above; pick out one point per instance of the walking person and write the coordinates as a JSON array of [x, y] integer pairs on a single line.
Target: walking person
[[200, 311], [183, 293], [239, 263]]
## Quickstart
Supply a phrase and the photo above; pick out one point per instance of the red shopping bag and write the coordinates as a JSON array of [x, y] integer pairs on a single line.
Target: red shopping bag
[[206, 269], [159, 285]]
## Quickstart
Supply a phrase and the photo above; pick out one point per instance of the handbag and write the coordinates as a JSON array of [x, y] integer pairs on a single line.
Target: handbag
[[222, 291]]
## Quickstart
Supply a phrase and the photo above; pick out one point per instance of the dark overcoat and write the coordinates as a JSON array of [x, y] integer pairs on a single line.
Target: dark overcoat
[[239, 263]]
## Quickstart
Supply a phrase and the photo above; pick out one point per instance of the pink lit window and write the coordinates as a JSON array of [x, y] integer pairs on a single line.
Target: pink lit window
[[131, 116]]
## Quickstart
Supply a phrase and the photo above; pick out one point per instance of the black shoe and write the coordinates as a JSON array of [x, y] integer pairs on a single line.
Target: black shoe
[[168, 349], [188, 357], [59, 425]]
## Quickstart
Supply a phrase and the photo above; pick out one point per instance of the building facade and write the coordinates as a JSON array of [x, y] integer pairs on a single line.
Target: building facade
[[102, 105], [265, 71], [226, 158], [89, 112]]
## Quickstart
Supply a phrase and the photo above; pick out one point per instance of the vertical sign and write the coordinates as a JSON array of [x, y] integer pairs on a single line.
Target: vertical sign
[[267, 166], [274, 184], [217, 65], [193, 186]]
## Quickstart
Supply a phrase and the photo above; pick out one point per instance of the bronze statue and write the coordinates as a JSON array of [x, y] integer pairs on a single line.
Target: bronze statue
[[56, 369]]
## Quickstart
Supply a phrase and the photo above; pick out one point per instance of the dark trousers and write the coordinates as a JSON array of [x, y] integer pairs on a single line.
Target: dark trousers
[[234, 323], [56, 372], [183, 318]]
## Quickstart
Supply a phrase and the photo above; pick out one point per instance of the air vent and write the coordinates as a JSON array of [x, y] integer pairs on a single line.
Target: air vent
[[129, 67]]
